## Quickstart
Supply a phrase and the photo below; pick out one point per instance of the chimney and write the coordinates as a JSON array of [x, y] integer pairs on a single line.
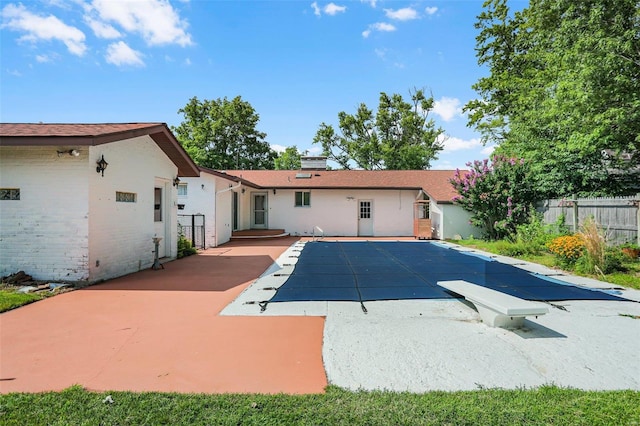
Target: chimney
[[313, 163]]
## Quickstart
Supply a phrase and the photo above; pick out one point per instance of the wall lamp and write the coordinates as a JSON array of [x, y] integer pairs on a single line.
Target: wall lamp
[[102, 165], [71, 152], [243, 190], [274, 191], [176, 181]]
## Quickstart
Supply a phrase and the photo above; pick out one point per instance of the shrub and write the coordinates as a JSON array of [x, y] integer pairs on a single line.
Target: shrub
[[507, 248], [533, 236], [567, 249], [594, 244], [499, 195], [184, 247], [613, 260]]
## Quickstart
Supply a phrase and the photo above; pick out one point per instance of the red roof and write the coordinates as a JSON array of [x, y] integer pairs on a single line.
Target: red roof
[[435, 183], [85, 134]]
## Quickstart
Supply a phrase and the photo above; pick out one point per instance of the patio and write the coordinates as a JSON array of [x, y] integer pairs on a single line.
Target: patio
[[164, 331]]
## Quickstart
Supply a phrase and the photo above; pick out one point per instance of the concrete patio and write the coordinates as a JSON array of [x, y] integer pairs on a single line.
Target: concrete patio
[[186, 328]]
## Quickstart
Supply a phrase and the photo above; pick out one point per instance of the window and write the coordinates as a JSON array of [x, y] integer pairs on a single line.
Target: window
[[157, 205], [9, 193], [182, 189], [126, 197], [303, 198]]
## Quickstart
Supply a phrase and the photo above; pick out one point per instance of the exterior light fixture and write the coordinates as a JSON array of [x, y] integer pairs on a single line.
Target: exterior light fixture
[[102, 165], [243, 190], [176, 181], [274, 191], [71, 152]]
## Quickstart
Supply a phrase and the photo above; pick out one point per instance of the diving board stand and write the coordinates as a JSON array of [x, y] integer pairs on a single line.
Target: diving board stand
[[496, 309]]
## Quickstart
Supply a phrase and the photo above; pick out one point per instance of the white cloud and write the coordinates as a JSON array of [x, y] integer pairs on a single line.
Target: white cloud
[[314, 150], [14, 73], [405, 14], [332, 9], [156, 20], [447, 108], [18, 18], [45, 58], [380, 53], [371, 3], [120, 54], [378, 26], [431, 10], [451, 143], [316, 9], [278, 148], [101, 29], [187, 62], [488, 150]]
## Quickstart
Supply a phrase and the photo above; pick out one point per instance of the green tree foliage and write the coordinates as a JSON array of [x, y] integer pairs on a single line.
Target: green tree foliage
[[221, 134], [563, 85], [288, 160], [399, 136], [499, 194]]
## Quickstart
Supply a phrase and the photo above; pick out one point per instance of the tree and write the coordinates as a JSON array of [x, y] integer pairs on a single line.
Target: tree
[[498, 194], [563, 86], [400, 136], [288, 160], [221, 134]]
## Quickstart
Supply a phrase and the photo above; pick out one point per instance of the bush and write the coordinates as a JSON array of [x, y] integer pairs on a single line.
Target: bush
[[567, 249], [184, 247], [499, 195], [594, 244], [507, 248]]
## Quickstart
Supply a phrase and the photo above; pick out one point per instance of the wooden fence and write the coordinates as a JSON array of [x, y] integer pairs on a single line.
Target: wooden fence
[[619, 217]]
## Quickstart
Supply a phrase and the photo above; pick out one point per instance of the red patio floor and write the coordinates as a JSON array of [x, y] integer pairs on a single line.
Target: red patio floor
[[160, 331]]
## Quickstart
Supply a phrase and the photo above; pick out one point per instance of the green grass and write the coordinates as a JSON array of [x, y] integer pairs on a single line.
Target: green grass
[[544, 406], [629, 279], [9, 299]]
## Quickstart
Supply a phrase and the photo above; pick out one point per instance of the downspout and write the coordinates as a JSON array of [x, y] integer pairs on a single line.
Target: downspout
[[230, 188]]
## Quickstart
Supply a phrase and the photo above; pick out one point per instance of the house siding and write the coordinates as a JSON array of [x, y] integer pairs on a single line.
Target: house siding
[[455, 221], [46, 232], [121, 233], [336, 211]]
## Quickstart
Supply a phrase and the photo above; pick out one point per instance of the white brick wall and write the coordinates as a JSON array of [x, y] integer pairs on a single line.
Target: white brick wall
[[45, 233], [121, 233], [67, 224]]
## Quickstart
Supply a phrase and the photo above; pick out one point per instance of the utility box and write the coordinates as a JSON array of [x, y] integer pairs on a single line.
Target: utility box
[[421, 221]]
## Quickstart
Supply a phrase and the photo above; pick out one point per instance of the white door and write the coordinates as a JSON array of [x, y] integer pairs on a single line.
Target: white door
[[365, 218], [160, 217], [259, 210]]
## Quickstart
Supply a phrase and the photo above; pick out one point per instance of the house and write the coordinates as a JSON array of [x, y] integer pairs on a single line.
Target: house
[[83, 202], [210, 203], [338, 202]]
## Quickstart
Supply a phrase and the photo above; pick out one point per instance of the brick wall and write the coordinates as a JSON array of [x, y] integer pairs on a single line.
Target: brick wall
[[45, 233]]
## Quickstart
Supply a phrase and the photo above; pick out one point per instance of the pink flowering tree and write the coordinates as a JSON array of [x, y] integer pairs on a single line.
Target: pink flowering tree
[[498, 193]]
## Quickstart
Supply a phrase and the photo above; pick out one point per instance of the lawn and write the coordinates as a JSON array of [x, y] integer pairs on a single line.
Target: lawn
[[630, 278], [10, 299], [543, 406]]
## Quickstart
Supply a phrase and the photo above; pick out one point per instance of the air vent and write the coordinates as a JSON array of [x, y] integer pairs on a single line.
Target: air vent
[[303, 175]]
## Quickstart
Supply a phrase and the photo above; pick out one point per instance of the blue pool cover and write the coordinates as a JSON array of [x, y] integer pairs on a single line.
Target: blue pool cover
[[365, 271]]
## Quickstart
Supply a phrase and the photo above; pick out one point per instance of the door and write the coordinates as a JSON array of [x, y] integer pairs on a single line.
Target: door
[[365, 218], [234, 211], [259, 210], [159, 218]]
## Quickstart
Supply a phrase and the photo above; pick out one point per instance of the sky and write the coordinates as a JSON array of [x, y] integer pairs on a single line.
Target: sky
[[297, 62]]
